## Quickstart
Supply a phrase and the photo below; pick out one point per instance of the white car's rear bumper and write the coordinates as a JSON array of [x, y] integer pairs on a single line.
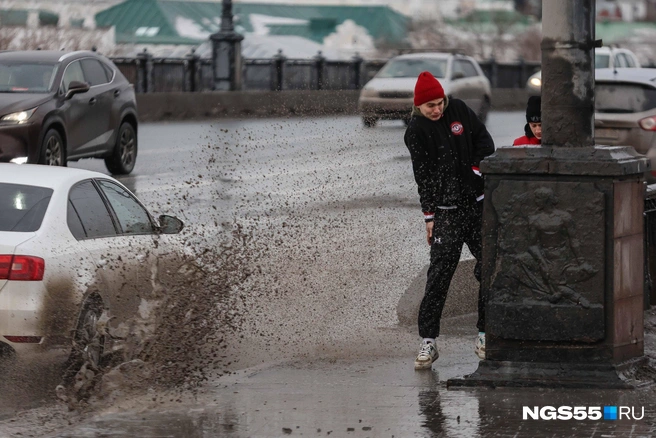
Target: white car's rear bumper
[[22, 322]]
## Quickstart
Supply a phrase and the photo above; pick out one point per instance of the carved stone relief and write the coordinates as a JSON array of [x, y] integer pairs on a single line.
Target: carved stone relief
[[548, 276]]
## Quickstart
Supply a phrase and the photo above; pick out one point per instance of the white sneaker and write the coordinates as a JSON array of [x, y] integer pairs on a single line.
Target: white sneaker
[[479, 346], [427, 355]]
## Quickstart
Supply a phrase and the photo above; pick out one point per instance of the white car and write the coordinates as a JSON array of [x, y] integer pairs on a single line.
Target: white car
[[605, 57], [389, 95], [76, 249]]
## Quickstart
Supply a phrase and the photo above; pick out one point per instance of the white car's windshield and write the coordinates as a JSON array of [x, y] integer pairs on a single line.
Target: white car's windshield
[[26, 77], [410, 68], [602, 61], [22, 207]]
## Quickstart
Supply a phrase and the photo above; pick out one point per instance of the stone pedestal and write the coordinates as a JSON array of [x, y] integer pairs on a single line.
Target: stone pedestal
[[563, 266]]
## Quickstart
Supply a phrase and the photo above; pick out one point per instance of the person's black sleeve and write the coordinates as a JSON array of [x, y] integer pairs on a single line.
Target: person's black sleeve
[[481, 138], [416, 142]]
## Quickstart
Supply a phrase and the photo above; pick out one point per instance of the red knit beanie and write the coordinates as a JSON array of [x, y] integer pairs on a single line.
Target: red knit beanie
[[428, 88]]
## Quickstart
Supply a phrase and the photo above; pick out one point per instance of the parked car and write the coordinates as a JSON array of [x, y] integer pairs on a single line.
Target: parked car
[[605, 57], [62, 106], [625, 110], [390, 93], [76, 248]]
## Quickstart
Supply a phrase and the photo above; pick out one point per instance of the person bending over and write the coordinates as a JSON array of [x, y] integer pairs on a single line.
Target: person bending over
[[447, 142]]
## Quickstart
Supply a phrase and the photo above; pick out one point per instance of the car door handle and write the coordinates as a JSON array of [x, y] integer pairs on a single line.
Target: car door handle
[[117, 93], [92, 101]]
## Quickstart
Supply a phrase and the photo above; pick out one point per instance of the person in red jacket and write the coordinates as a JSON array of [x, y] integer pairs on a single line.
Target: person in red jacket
[[533, 127]]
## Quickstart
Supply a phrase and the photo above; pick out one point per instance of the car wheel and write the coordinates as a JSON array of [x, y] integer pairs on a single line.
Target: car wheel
[[89, 340], [124, 155], [485, 109], [369, 121], [53, 149]]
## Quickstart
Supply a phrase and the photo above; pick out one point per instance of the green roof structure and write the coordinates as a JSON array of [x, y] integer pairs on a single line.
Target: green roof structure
[[489, 22], [47, 18], [620, 31], [19, 17], [15, 17], [191, 22]]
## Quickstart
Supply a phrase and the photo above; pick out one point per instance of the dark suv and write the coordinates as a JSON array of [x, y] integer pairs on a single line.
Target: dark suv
[[62, 106]]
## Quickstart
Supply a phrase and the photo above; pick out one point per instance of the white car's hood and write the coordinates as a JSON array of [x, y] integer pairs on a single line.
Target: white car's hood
[[397, 84]]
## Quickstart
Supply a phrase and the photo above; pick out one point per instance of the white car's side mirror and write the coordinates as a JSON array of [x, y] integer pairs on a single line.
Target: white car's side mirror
[[170, 224]]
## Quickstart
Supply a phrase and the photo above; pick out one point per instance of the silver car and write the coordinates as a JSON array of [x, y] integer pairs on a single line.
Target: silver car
[[389, 95], [605, 57], [625, 110]]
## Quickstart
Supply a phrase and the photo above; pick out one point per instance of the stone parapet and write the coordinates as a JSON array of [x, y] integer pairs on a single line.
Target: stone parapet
[[249, 104]]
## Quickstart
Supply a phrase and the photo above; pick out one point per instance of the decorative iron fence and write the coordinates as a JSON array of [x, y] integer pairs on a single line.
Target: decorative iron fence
[[192, 73]]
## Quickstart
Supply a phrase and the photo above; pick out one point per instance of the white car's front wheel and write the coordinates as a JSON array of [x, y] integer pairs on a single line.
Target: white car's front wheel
[[369, 121], [485, 109]]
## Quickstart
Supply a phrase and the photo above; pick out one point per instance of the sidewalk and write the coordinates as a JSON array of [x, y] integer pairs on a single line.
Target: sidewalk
[[375, 395]]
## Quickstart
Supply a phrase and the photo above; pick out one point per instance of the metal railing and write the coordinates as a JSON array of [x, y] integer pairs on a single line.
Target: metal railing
[[279, 73]]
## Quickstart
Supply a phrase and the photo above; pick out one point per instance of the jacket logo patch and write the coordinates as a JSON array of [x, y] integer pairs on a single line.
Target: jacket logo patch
[[456, 128]]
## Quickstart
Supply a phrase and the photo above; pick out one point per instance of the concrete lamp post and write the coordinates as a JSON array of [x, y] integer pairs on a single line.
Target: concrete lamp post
[[226, 53], [563, 235]]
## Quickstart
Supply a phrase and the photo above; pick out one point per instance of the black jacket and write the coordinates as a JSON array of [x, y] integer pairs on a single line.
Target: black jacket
[[444, 153]]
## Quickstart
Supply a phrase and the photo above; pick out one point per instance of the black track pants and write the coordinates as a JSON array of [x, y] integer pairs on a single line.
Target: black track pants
[[452, 228]]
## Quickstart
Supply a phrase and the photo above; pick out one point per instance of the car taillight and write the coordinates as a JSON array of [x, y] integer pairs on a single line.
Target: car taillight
[[5, 266], [24, 339], [648, 123], [21, 268]]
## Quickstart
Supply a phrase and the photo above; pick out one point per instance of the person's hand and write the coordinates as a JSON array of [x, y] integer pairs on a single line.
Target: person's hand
[[429, 231]]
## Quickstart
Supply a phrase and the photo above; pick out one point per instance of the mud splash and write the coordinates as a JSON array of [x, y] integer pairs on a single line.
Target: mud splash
[[179, 334], [314, 259]]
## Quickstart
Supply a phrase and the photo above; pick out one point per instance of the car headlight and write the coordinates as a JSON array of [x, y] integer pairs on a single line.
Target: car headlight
[[536, 82], [19, 117], [368, 93]]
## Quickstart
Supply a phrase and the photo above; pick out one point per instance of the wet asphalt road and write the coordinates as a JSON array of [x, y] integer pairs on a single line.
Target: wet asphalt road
[[320, 350], [370, 394], [255, 166]]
